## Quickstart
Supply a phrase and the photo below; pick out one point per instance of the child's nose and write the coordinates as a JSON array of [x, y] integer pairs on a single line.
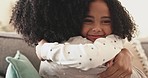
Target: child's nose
[[97, 28]]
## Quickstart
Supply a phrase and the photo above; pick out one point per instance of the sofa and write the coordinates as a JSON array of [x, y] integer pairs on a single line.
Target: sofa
[[12, 42]]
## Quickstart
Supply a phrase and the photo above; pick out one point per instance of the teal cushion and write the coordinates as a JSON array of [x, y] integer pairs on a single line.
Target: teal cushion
[[20, 67]]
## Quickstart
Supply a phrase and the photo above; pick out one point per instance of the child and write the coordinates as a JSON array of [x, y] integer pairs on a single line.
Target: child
[[39, 19]]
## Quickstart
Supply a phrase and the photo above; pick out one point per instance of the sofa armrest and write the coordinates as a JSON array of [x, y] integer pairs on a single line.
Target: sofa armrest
[[144, 43]]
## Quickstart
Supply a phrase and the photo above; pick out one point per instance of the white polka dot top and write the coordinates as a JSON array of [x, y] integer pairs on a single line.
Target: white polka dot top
[[78, 52]]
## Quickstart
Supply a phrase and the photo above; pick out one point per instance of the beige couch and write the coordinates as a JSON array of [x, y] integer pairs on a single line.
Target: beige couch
[[11, 42]]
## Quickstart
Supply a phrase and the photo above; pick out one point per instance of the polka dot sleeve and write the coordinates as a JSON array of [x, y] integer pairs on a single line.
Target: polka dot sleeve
[[83, 56]]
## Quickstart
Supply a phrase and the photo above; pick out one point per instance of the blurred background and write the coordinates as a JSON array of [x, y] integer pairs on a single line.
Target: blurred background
[[137, 8], [5, 13], [139, 11]]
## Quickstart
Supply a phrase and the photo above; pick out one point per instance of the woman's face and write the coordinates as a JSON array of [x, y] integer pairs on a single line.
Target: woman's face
[[98, 22]]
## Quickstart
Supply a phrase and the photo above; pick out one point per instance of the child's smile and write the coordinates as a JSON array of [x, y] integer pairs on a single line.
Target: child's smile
[[94, 37], [98, 22]]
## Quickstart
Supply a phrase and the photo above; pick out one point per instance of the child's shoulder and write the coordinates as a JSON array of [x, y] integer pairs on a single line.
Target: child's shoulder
[[78, 40]]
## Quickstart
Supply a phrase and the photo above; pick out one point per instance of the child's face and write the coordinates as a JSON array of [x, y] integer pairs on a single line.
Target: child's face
[[98, 22]]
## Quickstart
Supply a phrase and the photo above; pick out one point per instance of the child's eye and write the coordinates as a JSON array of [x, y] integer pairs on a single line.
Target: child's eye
[[106, 21], [87, 21]]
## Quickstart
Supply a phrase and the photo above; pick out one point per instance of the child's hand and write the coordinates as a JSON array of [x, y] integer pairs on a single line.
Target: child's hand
[[38, 48]]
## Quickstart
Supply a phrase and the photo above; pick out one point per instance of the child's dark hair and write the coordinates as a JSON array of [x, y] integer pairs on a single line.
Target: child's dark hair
[[122, 23], [58, 20]]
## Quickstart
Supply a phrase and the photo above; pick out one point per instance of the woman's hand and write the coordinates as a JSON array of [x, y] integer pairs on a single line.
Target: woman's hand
[[38, 47], [121, 68]]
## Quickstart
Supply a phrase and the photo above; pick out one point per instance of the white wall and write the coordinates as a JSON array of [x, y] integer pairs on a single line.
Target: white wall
[[5, 10], [139, 10]]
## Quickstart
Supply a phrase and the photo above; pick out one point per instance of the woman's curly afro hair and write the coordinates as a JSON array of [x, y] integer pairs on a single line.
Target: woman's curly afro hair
[[58, 20]]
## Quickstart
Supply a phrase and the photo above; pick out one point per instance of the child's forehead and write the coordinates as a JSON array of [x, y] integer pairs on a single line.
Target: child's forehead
[[98, 8]]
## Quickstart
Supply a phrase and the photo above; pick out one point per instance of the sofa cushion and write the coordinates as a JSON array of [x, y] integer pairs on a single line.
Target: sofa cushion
[[9, 44], [20, 67], [139, 57], [144, 42]]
